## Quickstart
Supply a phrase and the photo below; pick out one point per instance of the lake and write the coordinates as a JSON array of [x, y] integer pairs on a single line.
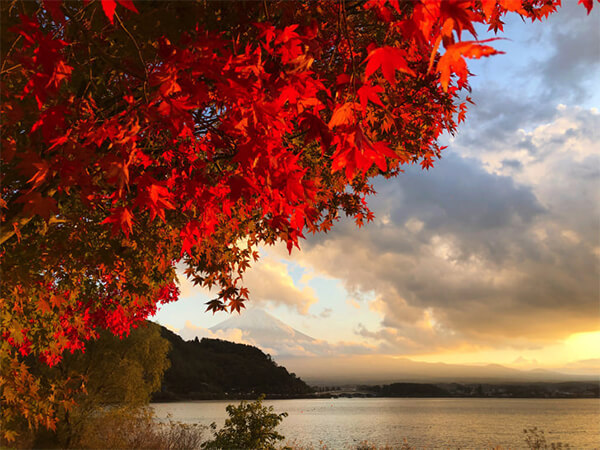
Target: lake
[[423, 422]]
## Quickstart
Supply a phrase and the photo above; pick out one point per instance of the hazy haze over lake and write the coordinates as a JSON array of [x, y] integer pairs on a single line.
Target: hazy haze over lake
[[433, 423]]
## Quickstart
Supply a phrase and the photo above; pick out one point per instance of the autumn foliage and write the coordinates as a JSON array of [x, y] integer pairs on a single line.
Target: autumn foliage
[[138, 135]]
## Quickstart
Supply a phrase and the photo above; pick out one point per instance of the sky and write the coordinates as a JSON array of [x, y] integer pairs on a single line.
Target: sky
[[492, 256]]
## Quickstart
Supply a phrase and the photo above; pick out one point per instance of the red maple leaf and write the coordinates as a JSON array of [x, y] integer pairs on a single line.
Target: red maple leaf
[[589, 4], [34, 204], [109, 7], [53, 7], [389, 59], [369, 93]]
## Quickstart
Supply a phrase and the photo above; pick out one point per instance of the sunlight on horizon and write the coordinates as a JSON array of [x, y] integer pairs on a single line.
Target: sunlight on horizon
[[576, 347]]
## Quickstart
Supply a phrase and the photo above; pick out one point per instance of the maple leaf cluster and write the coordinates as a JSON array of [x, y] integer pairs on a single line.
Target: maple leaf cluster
[[136, 137]]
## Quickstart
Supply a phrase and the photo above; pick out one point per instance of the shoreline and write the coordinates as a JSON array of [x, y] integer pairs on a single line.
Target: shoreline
[[338, 397], [565, 390]]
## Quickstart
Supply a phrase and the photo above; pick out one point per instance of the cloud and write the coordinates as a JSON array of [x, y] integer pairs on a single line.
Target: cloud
[[525, 362], [591, 366], [546, 64], [353, 303], [269, 282], [475, 253], [186, 287], [573, 67], [326, 313], [191, 331]]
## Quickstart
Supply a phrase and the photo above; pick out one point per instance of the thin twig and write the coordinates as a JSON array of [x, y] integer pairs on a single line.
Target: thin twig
[[139, 54], [10, 69], [9, 52], [347, 35]]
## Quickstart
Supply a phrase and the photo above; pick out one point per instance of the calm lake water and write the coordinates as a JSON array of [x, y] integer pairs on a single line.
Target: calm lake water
[[433, 423]]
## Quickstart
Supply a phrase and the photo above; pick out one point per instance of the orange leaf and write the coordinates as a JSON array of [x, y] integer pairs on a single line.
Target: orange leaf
[[43, 168], [453, 62], [120, 218], [126, 221], [236, 304], [512, 5], [344, 115]]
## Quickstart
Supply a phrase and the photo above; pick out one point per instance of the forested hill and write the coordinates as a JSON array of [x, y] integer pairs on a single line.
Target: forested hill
[[214, 369]]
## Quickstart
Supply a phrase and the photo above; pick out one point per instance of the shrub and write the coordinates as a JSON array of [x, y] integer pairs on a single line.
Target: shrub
[[249, 426]]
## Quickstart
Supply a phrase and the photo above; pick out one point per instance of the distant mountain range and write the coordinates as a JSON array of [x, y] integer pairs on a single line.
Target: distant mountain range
[[318, 362], [378, 369]]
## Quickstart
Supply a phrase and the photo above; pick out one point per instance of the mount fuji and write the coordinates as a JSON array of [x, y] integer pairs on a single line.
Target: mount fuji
[[258, 327]]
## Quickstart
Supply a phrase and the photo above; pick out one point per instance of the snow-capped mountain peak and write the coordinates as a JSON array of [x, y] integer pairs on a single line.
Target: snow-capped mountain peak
[[270, 334], [259, 325]]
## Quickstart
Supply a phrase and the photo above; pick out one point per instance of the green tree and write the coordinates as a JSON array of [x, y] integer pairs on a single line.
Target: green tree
[[115, 373], [250, 425]]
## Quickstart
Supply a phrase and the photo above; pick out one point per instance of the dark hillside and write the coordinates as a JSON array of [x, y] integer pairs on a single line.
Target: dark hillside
[[213, 369]]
